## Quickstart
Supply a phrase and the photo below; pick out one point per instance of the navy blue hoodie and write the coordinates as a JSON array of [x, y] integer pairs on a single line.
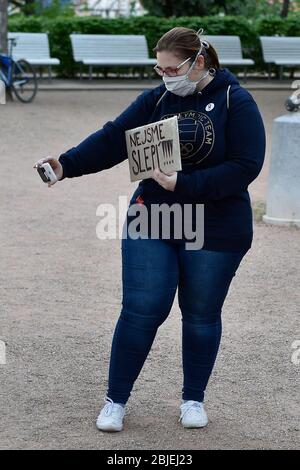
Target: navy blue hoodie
[[222, 145]]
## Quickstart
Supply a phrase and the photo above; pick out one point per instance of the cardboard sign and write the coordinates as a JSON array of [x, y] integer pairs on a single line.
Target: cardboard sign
[[155, 145]]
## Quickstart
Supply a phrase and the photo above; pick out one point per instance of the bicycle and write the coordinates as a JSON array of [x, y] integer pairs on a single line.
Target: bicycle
[[18, 75]]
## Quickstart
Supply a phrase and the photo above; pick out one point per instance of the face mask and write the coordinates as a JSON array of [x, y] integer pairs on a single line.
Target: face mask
[[182, 85]]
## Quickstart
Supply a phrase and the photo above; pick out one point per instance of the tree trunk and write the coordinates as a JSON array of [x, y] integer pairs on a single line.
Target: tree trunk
[[3, 26], [285, 8]]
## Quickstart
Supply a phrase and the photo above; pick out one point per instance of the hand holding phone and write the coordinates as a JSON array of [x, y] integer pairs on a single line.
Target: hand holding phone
[[49, 169], [46, 173]]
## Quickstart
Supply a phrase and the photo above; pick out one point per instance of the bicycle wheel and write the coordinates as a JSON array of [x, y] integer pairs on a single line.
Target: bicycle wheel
[[24, 81]]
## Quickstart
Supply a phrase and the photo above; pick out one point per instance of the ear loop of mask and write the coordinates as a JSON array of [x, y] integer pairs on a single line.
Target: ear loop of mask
[[200, 31], [211, 71], [205, 44], [194, 61]]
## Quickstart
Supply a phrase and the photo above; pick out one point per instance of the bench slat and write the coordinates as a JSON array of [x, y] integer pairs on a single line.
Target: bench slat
[[229, 49], [105, 47], [33, 47], [281, 50]]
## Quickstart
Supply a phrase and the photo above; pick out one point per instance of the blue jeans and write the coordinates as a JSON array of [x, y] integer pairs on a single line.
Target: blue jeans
[[152, 269]]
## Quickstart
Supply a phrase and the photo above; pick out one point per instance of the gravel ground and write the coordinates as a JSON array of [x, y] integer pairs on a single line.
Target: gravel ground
[[61, 297]]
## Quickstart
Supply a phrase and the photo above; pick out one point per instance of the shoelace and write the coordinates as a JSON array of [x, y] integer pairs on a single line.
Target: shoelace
[[109, 407], [188, 405]]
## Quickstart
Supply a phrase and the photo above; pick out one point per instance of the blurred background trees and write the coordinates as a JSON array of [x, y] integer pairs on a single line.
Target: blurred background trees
[[247, 8], [161, 8], [247, 19]]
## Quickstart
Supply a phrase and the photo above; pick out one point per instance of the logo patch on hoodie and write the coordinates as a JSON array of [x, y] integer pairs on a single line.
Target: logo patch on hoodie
[[196, 136], [209, 106]]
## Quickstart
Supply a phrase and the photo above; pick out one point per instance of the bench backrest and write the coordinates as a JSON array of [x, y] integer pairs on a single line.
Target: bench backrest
[[227, 47], [279, 47], [108, 46], [30, 45]]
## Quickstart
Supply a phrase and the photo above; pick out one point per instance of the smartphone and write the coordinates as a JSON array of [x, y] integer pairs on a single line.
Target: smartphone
[[46, 173]]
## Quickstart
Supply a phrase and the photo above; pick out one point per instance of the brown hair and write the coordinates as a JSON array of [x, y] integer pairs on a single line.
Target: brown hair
[[184, 43]]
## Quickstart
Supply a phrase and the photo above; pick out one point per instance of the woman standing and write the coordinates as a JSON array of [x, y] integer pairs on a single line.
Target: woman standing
[[222, 145]]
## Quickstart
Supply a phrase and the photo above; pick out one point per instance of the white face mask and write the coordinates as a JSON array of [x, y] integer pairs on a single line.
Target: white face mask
[[182, 85]]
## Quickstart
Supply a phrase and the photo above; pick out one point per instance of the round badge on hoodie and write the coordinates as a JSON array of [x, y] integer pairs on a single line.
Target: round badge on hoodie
[[209, 107]]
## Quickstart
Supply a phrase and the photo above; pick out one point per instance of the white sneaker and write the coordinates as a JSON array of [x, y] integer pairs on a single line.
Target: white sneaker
[[111, 416], [193, 414]]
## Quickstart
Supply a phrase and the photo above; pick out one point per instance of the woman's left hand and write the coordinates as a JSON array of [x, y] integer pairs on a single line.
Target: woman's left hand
[[166, 181]]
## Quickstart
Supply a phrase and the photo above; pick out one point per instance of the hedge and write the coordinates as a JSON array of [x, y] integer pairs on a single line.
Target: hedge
[[153, 28]]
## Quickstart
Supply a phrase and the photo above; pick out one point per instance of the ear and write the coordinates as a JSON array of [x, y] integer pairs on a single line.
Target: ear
[[200, 62]]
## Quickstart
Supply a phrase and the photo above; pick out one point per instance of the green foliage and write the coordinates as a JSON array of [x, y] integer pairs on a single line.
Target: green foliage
[[55, 10], [271, 25], [30, 8], [153, 28], [174, 8], [248, 8]]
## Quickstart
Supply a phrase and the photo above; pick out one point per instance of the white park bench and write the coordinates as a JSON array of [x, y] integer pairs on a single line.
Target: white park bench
[[282, 51], [107, 50], [33, 47], [229, 50]]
